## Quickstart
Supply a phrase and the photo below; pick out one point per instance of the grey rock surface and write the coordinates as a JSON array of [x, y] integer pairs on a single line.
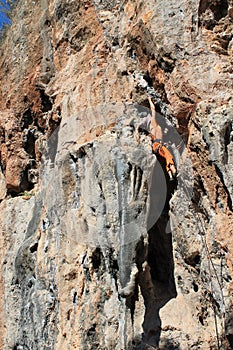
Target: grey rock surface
[[98, 249]]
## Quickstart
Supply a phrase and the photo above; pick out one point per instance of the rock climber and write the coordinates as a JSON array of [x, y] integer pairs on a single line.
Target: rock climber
[[158, 147]]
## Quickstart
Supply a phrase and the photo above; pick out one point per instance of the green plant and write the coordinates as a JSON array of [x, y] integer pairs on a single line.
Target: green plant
[[26, 194]]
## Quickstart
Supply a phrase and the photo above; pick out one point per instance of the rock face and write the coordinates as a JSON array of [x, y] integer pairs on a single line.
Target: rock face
[[99, 250]]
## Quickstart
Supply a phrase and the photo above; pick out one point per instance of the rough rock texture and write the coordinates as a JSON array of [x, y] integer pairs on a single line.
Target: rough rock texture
[[98, 249]]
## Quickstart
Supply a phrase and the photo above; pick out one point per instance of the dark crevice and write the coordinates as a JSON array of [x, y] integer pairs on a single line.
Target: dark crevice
[[193, 260], [30, 283], [91, 331], [130, 167], [124, 73], [3, 167], [201, 320], [29, 144], [12, 193], [220, 175], [227, 140], [74, 297], [2, 135], [113, 266], [46, 101], [229, 329], [113, 263], [87, 273], [148, 79], [34, 247], [166, 62], [97, 258], [138, 182], [68, 314], [26, 119], [228, 278], [101, 190], [199, 185], [115, 42], [230, 340], [131, 301], [210, 12], [73, 157], [195, 287], [81, 153]]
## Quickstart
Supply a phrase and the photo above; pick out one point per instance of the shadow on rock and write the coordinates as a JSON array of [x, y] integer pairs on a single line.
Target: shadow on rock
[[156, 278]]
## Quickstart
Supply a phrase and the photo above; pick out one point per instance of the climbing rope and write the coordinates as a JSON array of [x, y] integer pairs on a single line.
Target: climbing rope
[[212, 267], [210, 263]]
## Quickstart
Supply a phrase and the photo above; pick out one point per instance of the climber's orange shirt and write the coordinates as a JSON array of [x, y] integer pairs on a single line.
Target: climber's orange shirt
[[164, 153]]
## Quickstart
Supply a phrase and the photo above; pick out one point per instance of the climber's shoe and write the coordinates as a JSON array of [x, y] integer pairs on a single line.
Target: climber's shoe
[[171, 170]]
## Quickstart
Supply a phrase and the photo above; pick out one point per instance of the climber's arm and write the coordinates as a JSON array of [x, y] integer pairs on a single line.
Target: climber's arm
[[152, 107], [155, 129]]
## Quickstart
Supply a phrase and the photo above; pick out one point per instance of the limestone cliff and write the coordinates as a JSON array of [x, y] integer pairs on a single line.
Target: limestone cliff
[[99, 250]]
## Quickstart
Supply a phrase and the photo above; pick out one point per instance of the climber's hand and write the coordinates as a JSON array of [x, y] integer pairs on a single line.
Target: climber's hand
[[173, 169]]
